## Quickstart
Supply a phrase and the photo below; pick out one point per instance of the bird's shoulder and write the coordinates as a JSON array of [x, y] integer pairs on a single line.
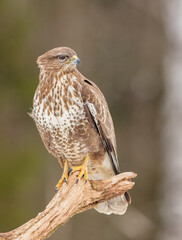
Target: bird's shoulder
[[91, 93]]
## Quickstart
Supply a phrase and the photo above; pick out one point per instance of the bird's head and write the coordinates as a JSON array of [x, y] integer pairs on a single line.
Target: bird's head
[[63, 58]]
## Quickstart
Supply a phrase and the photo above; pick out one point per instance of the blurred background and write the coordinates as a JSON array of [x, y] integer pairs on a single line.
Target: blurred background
[[132, 49]]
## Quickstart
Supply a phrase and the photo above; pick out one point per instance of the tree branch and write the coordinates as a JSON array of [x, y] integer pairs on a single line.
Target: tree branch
[[69, 200]]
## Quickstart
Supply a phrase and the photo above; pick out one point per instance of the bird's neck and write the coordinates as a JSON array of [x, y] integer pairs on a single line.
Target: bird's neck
[[48, 76]]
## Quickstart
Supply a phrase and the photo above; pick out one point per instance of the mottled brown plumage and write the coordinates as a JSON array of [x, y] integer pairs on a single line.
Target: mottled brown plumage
[[74, 121]]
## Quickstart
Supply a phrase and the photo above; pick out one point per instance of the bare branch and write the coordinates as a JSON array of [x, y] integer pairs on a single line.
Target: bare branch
[[69, 200]]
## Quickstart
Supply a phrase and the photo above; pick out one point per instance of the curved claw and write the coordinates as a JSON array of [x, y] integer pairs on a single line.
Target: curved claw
[[83, 171], [64, 177]]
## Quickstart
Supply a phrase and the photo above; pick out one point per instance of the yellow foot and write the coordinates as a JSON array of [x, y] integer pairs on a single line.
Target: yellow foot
[[83, 170], [64, 177]]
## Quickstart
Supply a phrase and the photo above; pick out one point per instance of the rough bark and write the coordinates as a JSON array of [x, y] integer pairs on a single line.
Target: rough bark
[[71, 199]]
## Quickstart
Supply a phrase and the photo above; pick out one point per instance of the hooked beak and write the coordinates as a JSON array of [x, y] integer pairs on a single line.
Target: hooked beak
[[76, 60]]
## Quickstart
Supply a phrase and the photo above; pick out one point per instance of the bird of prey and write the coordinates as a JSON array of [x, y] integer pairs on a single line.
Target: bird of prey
[[75, 124]]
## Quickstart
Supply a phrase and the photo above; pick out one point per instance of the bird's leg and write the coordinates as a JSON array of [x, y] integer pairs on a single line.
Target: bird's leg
[[64, 176], [83, 170]]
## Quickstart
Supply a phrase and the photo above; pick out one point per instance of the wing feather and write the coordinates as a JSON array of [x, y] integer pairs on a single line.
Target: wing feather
[[99, 116]]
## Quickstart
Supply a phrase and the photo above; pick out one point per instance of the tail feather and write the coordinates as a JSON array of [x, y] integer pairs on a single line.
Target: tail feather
[[116, 205]]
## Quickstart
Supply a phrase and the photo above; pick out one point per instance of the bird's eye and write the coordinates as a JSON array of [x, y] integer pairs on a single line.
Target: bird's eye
[[62, 57]]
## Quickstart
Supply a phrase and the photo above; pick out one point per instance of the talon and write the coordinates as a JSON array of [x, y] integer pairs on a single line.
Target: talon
[[55, 189], [70, 171], [63, 178], [83, 170]]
